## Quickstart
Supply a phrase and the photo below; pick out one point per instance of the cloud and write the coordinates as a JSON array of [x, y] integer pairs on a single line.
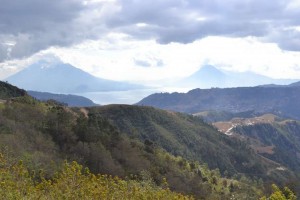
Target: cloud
[[186, 21], [35, 25], [148, 60], [29, 16], [142, 63], [114, 58], [287, 38]]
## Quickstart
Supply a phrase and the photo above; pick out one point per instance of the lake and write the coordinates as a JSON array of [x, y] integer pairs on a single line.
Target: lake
[[126, 97]]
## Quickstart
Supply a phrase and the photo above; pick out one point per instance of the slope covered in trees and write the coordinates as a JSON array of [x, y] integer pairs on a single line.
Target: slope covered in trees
[[43, 135], [283, 101], [74, 182], [272, 137], [68, 99], [9, 91], [187, 136], [140, 144]]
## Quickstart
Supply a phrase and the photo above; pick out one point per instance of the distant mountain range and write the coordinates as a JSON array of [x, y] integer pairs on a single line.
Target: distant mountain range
[[283, 101], [8, 91], [70, 100], [58, 77], [209, 76]]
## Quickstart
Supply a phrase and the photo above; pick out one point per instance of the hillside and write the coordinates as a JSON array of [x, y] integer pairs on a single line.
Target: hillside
[[189, 137], [135, 143], [272, 137], [58, 77], [216, 116], [73, 181], [70, 100], [296, 84], [9, 91], [42, 135], [283, 101]]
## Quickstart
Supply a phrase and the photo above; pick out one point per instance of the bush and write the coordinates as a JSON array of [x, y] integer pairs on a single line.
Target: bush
[[74, 182]]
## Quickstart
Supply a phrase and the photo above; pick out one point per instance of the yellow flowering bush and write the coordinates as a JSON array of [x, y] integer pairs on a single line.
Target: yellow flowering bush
[[74, 182]]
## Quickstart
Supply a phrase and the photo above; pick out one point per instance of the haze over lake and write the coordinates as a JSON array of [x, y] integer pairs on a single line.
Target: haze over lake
[[126, 97]]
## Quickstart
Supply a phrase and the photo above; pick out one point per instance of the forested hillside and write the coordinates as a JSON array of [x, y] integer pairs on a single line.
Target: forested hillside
[[150, 149], [283, 101], [43, 135], [9, 91], [272, 137], [68, 99], [187, 136]]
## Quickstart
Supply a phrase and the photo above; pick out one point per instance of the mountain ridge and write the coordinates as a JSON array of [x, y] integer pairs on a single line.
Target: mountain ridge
[[209, 76], [278, 100], [9, 91], [70, 100], [58, 77]]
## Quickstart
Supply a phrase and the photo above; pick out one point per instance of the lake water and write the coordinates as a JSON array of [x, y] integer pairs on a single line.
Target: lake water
[[126, 97]]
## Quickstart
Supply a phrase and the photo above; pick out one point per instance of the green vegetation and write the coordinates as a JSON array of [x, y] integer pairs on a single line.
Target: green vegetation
[[189, 137], [285, 194], [282, 136], [282, 101], [68, 99], [217, 116], [43, 135], [152, 152], [9, 91], [74, 182]]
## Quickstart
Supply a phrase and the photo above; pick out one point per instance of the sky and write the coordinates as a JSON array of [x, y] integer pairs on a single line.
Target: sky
[[150, 41]]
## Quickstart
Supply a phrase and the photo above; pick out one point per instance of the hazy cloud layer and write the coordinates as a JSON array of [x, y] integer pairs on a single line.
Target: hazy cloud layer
[[26, 27]]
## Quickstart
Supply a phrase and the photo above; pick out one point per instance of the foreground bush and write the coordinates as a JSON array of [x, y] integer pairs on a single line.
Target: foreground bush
[[74, 183]]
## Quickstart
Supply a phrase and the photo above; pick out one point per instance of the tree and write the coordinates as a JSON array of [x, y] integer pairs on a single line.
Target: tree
[[285, 194]]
